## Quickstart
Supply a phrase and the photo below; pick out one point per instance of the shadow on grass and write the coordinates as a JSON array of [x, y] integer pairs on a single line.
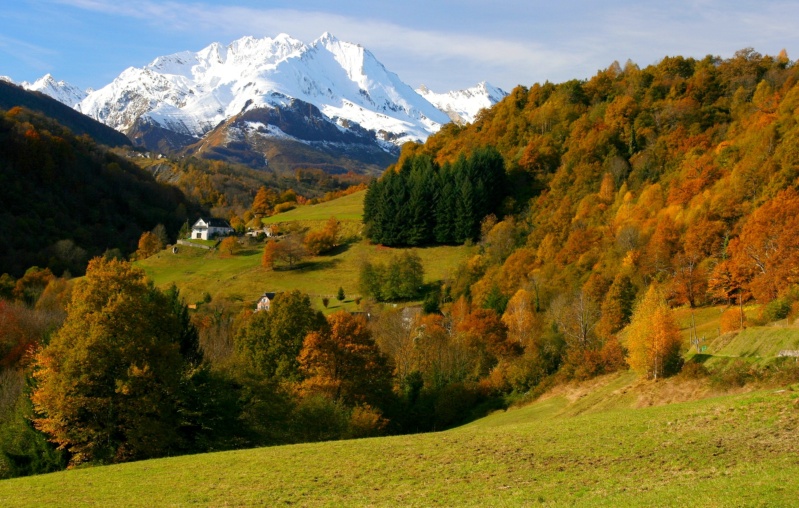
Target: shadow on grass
[[338, 249], [321, 264]]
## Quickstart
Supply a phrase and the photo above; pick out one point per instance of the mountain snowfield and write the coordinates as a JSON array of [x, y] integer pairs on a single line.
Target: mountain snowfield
[[192, 93]]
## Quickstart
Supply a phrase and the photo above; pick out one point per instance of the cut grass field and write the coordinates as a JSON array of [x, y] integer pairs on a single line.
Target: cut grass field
[[734, 450]]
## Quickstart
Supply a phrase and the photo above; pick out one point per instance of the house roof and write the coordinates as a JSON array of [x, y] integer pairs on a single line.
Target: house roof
[[213, 222], [271, 296]]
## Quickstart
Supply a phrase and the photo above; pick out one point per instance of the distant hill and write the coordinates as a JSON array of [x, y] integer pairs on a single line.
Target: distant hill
[[12, 95], [65, 198]]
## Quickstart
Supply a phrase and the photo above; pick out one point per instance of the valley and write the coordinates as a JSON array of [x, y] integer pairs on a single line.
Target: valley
[[576, 293]]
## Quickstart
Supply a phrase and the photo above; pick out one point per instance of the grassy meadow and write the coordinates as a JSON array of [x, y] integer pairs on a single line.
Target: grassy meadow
[[594, 445], [344, 208], [240, 278]]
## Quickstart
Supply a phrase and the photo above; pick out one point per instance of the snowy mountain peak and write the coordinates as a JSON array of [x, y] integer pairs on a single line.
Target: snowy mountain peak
[[330, 86], [462, 106], [192, 92], [58, 90]]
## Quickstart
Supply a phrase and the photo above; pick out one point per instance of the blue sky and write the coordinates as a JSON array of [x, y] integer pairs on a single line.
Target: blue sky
[[444, 44]]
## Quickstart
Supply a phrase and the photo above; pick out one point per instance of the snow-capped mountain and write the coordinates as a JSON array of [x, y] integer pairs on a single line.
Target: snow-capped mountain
[[191, 93], [462, 106], [59, 90], [235, 101]]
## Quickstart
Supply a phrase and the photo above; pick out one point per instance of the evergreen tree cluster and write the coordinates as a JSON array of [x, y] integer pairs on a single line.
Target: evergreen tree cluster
[[423, 203]]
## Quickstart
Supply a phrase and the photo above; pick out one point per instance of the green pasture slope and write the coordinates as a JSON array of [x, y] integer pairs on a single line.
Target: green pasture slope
[[737, 450], [758, 346], [240, 278], [344, 208]]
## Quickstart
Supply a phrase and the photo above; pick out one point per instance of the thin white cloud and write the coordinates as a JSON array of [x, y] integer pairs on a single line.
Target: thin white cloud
[[576, 40], [32, 55], [411, 51]]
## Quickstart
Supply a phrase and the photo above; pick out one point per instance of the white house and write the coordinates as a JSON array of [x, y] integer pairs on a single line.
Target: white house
[[265, 302], [206, 229]]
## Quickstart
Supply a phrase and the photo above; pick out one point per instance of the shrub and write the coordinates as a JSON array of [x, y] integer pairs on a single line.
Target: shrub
[[318, 418], [285, 207], [731, 320], [776, 310], [694, 370], [737, 374], [366, 421]]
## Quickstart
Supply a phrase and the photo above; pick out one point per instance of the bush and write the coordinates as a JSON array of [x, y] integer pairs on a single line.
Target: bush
[[737, 374], [775, 310], [318, 418], [454, 403], [731, 320], [366, 421], [285, 207], [694, 370]]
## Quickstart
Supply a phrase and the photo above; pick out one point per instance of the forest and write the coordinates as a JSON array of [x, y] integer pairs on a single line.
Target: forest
[[596, 207], [66, 199]]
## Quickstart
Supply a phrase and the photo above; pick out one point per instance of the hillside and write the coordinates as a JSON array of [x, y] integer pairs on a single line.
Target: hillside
[[66, 198], [724, 451], [681, 175], [344, 208], [12, 96], [241, 278]]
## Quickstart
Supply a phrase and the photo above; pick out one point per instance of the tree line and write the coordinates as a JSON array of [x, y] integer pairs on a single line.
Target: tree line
[[422, 203]]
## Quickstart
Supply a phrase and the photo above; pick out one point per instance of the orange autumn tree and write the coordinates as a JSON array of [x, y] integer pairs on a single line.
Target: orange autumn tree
[[149, 244], [319, 242], [653, 337], [768, 246], [229, 245], [344, 363], [520, 317]]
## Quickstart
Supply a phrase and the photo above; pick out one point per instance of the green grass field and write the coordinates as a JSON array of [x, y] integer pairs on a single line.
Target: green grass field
[[612, 441], [757, 345], [241, 278], [735, 450], [344, 208]]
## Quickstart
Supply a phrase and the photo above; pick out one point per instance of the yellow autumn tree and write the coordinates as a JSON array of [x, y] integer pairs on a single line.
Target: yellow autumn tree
[[520, 317], [653, 337], [149, 244], [108, 383]]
